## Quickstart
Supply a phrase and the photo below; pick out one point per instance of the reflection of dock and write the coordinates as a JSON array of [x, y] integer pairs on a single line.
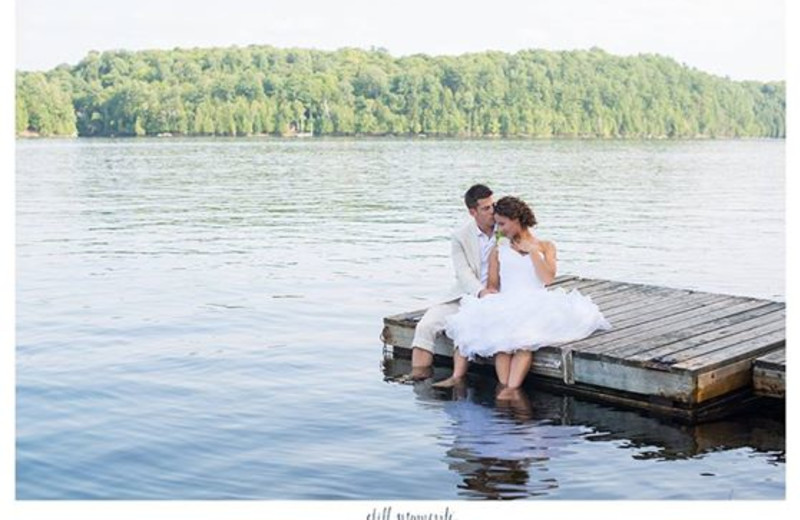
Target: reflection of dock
[[662, 438], [684, 353]]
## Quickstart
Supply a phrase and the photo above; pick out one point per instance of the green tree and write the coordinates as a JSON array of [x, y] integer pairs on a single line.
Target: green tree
[[262, 89], [21, 115]]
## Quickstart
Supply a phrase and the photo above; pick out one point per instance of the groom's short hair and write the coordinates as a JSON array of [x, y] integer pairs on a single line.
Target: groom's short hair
[[476, 193]]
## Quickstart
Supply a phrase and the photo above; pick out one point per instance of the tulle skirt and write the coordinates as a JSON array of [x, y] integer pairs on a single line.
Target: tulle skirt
[[511, 321]]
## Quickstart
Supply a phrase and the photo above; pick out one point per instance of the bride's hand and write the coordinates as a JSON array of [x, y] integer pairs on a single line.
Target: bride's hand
[[529, 245]]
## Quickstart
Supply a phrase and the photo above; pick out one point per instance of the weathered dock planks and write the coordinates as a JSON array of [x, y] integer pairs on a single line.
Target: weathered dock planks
[[675, 350], [769, 374]]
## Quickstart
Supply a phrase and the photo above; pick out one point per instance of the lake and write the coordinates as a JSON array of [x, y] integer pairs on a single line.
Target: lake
[[200, 318]]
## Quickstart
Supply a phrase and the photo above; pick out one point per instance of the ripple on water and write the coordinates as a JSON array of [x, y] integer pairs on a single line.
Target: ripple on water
[[200, 318]]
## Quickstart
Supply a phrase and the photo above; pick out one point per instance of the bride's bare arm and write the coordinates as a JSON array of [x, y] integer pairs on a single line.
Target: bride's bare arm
[[545, 263]]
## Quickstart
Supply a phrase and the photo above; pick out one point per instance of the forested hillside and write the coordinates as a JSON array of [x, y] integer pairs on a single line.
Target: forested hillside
[[266, 90]]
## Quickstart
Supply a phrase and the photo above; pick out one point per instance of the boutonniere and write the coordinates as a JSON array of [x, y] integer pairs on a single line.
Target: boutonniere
[[500, 238]]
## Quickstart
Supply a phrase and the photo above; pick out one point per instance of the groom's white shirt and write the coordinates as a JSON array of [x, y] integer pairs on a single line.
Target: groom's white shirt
[[470, 255]]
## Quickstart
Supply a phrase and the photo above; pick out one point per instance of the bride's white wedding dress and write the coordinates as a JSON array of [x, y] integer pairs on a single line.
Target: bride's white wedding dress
[[523, 315]]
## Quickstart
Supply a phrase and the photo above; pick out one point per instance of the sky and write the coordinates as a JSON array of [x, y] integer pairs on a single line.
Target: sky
[[740, 39]]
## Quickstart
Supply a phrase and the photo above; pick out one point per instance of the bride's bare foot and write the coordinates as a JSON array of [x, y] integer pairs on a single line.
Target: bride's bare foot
[[509, 394]]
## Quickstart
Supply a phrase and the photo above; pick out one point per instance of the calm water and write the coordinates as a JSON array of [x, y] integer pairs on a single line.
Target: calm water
[[200, 318]]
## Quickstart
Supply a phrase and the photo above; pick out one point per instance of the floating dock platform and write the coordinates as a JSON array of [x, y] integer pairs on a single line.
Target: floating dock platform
[[688, 354], [769, 374]]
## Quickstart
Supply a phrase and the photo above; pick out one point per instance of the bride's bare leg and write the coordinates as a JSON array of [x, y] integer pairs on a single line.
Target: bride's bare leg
[[508, 396], [460, 365], [520, 365], [502, 366]]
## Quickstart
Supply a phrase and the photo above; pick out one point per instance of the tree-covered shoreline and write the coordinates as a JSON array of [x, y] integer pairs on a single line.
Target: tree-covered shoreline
[[261, 90]]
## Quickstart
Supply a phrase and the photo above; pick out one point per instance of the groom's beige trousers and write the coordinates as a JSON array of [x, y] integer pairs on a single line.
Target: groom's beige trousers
[[432, 323]]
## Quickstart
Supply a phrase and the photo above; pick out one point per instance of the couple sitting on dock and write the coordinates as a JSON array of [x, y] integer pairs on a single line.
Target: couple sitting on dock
[[499, 306]]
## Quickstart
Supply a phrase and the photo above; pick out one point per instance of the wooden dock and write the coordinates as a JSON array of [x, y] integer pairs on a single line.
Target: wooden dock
[[687, 354], [663, 439], [769, 374]]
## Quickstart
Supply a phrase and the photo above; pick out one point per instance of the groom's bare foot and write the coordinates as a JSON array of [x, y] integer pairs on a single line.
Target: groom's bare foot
[[450, 382], [419, 373]]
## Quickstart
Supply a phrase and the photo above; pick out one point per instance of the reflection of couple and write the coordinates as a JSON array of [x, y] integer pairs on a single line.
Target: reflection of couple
[[500, 306], [500, 448]]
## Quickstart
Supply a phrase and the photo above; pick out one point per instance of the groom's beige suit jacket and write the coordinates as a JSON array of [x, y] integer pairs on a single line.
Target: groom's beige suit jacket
[[466, 256]]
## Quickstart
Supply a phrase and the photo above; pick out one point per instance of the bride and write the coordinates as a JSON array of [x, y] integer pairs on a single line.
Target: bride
[[522, 315]]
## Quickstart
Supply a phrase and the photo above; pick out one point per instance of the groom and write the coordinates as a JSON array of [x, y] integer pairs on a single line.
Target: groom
[[471, 245]]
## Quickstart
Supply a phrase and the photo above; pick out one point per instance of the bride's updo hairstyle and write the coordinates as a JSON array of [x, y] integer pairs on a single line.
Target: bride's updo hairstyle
[[515, 209]]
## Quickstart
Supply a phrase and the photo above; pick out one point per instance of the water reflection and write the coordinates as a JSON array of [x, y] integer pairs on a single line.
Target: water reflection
[[133, 255], [500, 452], [505, 449]]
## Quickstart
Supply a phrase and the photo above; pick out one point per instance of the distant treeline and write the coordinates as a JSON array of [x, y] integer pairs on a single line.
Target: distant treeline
[[265, 90]]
